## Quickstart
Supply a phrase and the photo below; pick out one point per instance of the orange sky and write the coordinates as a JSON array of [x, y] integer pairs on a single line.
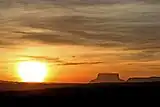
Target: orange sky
[[75, 65]]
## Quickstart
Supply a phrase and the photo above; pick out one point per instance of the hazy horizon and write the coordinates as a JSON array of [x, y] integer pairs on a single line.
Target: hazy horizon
[[79, 39]]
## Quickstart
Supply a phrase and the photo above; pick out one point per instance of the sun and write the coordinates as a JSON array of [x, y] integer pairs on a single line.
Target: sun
[[32, 71]]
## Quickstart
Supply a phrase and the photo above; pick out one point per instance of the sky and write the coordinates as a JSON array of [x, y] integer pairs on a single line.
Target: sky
[[79, 39]]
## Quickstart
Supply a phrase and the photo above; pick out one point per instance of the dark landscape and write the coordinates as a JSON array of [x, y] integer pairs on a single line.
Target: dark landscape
[[112, 88]]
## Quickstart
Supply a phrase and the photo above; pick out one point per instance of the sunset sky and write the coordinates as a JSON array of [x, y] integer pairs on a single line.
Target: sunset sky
[[79, 39]]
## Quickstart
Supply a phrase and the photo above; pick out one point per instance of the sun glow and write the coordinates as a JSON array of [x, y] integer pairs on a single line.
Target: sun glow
[[32, 71]]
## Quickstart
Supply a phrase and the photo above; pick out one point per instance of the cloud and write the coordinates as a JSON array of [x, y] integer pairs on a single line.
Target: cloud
[[5, 44], [80, 63], [142, 56], [67, 40], [133, 31], [49, 59], [127, 27], [50, 39], [92, 31], [58, 61]]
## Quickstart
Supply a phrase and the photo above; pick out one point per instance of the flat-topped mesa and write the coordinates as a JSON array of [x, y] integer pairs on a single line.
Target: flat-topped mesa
[[107, 77]]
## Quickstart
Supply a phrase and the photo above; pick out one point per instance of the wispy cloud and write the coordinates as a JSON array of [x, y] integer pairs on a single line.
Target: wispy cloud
[[58, 61], [5, 44], [81, 63], [49, 59]]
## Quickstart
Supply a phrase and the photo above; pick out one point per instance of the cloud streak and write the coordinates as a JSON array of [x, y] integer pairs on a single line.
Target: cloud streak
[[80, 63], [49, 59], [58, 61]]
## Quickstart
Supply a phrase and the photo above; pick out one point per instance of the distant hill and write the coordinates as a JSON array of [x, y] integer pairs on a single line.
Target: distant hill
[[149, 79], [21, 86], [107, 77], [2, 81]]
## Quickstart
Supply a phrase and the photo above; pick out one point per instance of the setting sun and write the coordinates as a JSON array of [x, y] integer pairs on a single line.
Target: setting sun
[[32, 71]]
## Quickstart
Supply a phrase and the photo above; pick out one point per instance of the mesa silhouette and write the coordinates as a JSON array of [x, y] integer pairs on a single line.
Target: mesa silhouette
[[114, 78], [107, 77]]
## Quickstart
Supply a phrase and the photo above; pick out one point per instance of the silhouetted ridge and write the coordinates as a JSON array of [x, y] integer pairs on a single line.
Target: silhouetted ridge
[[148, 79], [107, 77]]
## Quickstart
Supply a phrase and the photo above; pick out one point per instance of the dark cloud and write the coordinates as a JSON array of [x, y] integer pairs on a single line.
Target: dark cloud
[[58, 61], [140, 33], [5, 44], [142, 56], [97, 31], [68, 40], [49, 59], [81, 63], [85, 2], [2, 42], [50, 38]]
